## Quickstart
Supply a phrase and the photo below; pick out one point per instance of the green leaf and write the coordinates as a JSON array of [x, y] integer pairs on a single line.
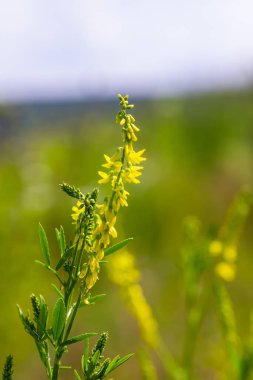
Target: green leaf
[[44, 244], [21, 316], [58, 291], [98, 297], [77, 375], [92, 300], [116, 362], [28, 324], [64, 257], [77, 338], [8, 368], [117, 246], [61, 240], [85, 355], [93, 363], [41, 264], [42, 323], [58, 318]]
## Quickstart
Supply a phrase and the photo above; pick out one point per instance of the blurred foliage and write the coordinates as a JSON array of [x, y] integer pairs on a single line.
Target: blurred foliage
[[200, 154]]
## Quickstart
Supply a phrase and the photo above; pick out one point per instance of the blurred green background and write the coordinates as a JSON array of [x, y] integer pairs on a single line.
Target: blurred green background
[[199, 155]]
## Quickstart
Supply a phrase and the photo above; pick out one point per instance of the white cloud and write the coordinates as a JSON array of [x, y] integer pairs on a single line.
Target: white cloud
[[90, 45]]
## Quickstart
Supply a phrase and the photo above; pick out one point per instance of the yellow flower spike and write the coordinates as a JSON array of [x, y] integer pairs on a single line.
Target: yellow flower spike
[[215, 248], [230, 254], [226, 271], [123, 272], [122, 167]]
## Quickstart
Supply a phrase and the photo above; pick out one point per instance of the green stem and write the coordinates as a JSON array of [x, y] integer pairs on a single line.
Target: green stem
[[171, 367], [73, 316], [118, 177], [56, 366]]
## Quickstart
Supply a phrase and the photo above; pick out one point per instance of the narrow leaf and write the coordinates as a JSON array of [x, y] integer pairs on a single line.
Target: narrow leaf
[[117, 246], [111, 365], [121, 361], [77, 375], [92, 300], [61, 240], [77, 338], [41, 264], [85, 355], [43, 315], [8, 368], [98, 297], [64, 257], [58, 291], [44, 244], [58, 318], [116, 362]]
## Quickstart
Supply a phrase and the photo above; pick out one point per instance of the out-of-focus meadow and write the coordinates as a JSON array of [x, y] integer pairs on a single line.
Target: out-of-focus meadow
[[199, 155]]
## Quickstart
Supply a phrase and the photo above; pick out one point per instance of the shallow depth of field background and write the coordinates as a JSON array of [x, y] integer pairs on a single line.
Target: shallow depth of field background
[[199, 154], [199, 149]]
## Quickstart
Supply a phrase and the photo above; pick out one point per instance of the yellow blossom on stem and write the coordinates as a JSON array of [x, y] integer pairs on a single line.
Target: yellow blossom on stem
[[121, 168], [77, 211], [105, 177]]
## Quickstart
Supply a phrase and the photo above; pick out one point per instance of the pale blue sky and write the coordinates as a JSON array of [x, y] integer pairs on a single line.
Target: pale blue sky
[[77, 48]]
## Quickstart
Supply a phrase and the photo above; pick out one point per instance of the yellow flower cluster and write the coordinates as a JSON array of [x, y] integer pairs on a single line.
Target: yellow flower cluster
[[123, 272], [121, 168], [78, 210], [227, 255]]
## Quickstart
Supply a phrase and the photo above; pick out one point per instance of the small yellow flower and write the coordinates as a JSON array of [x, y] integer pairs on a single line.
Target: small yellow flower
[[226, 271], [111, 162], [215, 248], [131, 174], [113, 232], [230, 254], [77, 211], [136, 157], [105, 177]]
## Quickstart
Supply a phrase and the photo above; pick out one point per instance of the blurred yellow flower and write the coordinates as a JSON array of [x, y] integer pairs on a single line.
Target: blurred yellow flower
[[230, 254], [215, 248], [226, 271], [123, 272]]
